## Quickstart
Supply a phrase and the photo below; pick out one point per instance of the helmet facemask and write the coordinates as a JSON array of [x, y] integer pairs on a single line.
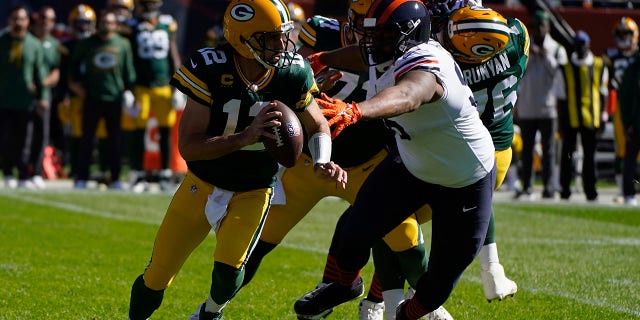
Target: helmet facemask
[[385, 43], [261, 45]]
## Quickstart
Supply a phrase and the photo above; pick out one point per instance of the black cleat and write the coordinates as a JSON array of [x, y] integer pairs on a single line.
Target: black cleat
[[317, 304]]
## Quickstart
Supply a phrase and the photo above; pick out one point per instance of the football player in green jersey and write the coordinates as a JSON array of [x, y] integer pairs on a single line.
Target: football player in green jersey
[[618, 58], [492, 52], [230, 178], [156, 57]]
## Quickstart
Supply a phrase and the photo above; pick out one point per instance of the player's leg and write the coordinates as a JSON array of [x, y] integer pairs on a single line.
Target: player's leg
[[374, 214], [301, 190], [495, 283], [164, 113], [459, 225], [135, 128], [236, 236], [183, 228]]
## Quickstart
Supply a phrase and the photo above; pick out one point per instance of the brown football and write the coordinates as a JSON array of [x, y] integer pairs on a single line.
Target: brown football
[[287, 146]]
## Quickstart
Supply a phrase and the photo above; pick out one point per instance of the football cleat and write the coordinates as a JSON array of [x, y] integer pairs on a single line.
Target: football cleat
[[319, 303], [369, 310], [439, 314], [201, 314], [495, 283]]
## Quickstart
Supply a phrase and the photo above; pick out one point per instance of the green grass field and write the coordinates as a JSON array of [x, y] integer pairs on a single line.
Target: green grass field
[[74, 255]]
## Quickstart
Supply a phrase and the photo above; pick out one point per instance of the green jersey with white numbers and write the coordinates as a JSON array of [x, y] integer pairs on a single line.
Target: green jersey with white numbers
[[150, 46], [495, 84], [210, 76]]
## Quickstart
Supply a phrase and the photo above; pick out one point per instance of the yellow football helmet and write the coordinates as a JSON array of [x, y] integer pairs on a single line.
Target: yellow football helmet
[[248, 23], [355, 15], [121, 4], [625, 32], [475, 34], [297, 12], [82, 19]]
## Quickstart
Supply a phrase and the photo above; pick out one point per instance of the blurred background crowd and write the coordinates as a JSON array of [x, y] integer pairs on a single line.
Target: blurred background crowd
[[55, 147]]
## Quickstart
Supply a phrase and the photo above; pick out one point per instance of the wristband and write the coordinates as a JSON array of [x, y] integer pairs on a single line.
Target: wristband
[[320, 148]]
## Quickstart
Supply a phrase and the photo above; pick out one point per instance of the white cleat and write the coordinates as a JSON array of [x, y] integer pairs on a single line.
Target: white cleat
[[369, 310], [495, 283], [438, 314]]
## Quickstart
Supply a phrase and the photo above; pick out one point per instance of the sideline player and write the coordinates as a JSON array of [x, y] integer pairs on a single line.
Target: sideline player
[[617, 59], [156, 57]]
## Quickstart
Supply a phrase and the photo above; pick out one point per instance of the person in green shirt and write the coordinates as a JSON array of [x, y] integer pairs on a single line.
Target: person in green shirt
[[43, 22], [102, 74], [22, 74]]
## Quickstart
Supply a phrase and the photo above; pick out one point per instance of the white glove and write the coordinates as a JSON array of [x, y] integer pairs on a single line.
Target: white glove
[[129, 105], [178, 100]]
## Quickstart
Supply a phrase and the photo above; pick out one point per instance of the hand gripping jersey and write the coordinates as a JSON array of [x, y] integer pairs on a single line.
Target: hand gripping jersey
[[495, 84], [443, 142], [361, 141], [150, 46], [210, 76]]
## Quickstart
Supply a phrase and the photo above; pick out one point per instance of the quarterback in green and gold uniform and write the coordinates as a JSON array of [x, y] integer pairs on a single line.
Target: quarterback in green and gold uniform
[[230, 178]]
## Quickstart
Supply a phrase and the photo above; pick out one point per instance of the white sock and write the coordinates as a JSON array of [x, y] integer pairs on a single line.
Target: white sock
[[489, 254], [392, 299], [212, 306]]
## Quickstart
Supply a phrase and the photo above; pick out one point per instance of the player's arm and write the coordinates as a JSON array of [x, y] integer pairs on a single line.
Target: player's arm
[[414, 89], [320, 144], [346, 58], [194, 143]]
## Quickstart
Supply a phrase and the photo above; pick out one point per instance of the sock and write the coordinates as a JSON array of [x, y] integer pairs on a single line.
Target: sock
[[330, 270], [375, 290], [348, 278], [489, 254], [212, 306], [415, 310], [392, 299], [259, 252], [226, 280], [144, 301], [491, 230]]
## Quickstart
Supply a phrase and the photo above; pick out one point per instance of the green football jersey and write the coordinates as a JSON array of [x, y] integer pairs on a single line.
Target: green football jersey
[[210, 76], [359, 142], [21, 66], [150, 46], [495, 84], [617, 63], [105, 67]]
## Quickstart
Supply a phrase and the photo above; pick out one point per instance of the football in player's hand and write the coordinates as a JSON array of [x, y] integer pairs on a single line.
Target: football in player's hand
[[287, 146]]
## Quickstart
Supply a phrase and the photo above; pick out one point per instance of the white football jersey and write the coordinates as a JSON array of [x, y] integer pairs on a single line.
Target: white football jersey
[[443, 142]]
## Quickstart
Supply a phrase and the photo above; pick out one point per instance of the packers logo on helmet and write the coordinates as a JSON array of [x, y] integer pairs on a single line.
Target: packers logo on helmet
[[475, 34], [82, 19], [248, 24]]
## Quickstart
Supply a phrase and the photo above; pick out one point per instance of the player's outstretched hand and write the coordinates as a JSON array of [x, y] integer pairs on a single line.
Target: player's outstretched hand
[[331, 171], [341, 114]]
